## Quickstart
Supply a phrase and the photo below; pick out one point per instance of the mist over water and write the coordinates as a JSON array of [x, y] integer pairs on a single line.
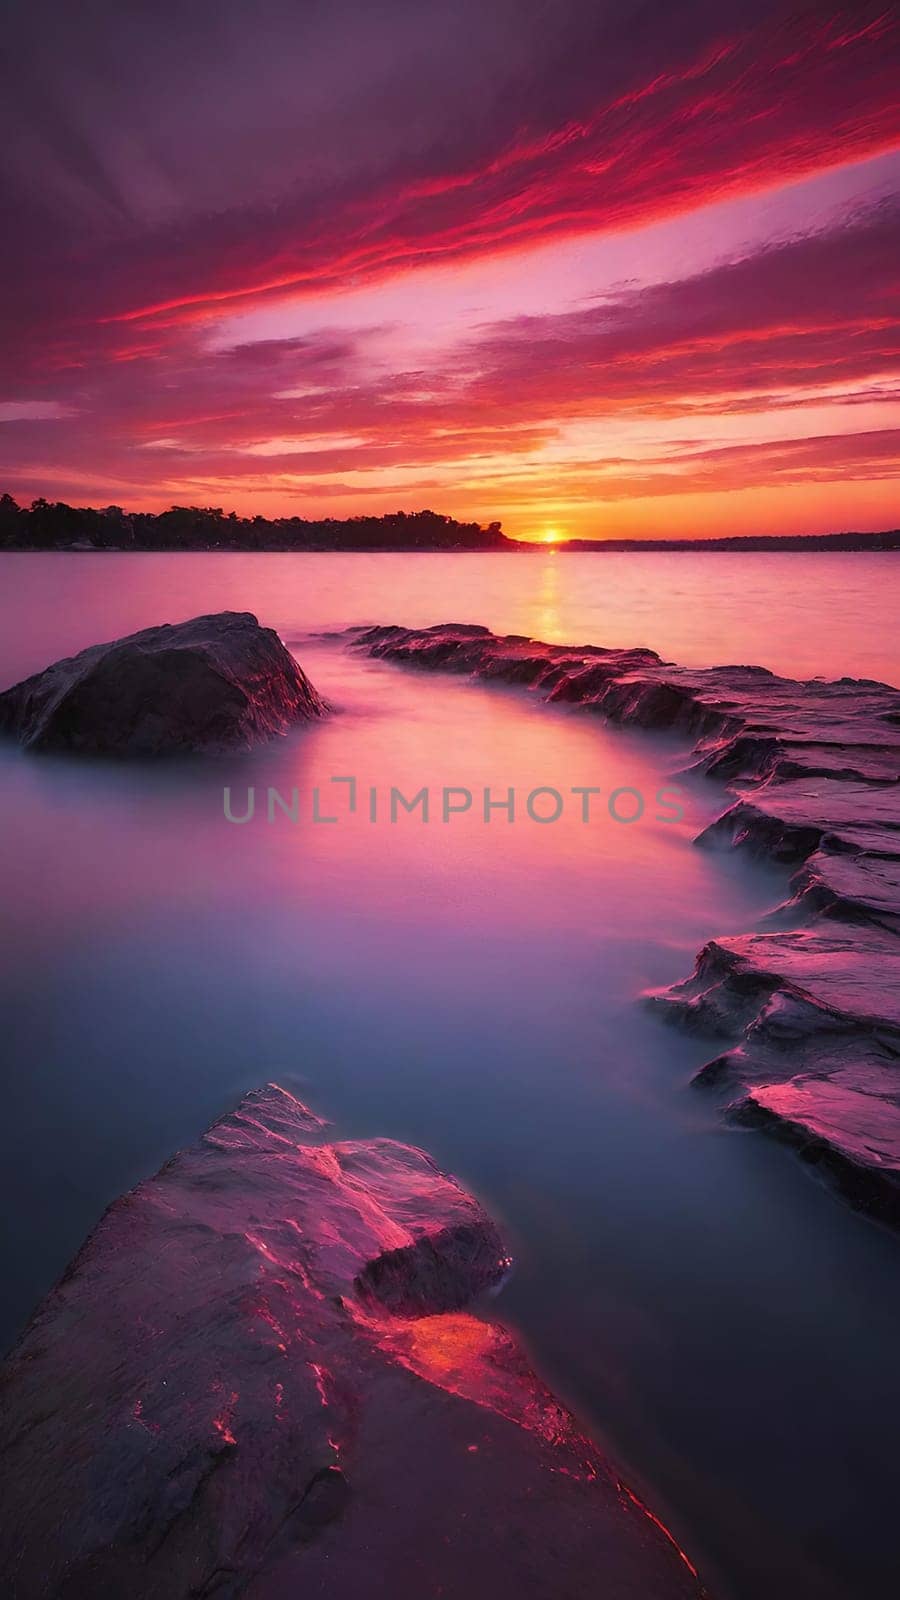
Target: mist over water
[[720, 1322]]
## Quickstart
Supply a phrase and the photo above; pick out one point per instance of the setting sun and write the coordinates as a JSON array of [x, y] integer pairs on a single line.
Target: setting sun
[[551, 536]]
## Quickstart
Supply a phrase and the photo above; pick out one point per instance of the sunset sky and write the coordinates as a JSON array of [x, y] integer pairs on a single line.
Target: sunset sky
[[589, 268]]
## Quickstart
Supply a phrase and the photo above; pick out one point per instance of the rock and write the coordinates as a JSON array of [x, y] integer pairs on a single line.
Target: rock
[[844, 1124], [850, 974], [215, 684], [789, 820], [811, 1013], [817, 1014], [861, 887], [248, 1382]]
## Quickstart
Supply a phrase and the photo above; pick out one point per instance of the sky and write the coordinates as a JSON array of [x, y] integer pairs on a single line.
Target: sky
[[589, 269]]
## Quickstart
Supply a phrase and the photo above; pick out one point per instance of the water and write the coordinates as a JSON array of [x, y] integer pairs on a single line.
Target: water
[[723, 1324], [798, 614]]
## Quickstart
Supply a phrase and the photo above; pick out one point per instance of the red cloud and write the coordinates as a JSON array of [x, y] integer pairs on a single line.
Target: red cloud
[[119, 260], [597, 135], [812, 316]]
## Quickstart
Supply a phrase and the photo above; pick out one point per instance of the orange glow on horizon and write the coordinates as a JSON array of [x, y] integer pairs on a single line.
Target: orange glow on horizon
[[620, 327]]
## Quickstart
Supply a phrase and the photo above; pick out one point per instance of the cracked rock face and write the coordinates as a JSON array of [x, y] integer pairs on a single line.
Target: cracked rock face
[[257, 1378], [212, 685], [811, 1012]]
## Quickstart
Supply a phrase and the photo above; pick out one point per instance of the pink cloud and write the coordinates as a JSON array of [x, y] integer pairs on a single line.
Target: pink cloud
[[146, 221]]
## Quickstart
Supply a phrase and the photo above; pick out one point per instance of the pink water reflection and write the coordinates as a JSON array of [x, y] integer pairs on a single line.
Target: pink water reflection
[[799, 614]]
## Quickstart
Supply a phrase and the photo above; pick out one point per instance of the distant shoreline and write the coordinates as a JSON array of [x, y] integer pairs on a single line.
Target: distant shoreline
[[55, 526], [789, 544], [888, 542]]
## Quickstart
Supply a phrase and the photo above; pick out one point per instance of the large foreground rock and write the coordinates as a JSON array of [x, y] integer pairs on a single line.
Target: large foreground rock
[[257, 1378], [214, 684], [811, 1012]]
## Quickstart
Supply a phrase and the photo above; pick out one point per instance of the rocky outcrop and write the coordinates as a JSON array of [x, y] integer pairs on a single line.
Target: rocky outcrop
[[215, 684], [817, 1015], [810, 1010], [257, 1378]]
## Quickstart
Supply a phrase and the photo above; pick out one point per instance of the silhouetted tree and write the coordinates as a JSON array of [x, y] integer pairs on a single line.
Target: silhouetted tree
[[57, 526]]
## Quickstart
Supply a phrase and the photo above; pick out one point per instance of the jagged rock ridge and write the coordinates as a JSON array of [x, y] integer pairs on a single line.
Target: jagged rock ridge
[[257, 1378], [810, 1010]]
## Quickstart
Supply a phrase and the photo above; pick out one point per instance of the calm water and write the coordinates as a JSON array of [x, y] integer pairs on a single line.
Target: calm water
[[718, 1319], [797, 614]]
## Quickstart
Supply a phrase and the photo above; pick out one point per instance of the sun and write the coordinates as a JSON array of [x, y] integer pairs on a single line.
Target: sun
[[551, 536]]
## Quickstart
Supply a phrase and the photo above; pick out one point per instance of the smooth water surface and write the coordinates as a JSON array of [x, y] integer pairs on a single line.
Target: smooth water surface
[[722, 1323], [803, 615]]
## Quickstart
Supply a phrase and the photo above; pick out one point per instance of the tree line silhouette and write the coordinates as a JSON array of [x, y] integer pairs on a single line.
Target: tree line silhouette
[[53, 525]]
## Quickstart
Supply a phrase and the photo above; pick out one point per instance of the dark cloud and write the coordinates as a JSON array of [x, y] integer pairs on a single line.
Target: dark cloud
[[164, 164]]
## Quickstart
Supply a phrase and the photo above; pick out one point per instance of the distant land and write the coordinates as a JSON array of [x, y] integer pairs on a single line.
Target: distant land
[[57, 526], [749, 541], [46, 525]]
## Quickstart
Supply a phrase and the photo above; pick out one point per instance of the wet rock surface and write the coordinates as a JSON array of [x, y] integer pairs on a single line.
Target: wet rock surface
[[810, 1010], [215, 684], [257, 1378]]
